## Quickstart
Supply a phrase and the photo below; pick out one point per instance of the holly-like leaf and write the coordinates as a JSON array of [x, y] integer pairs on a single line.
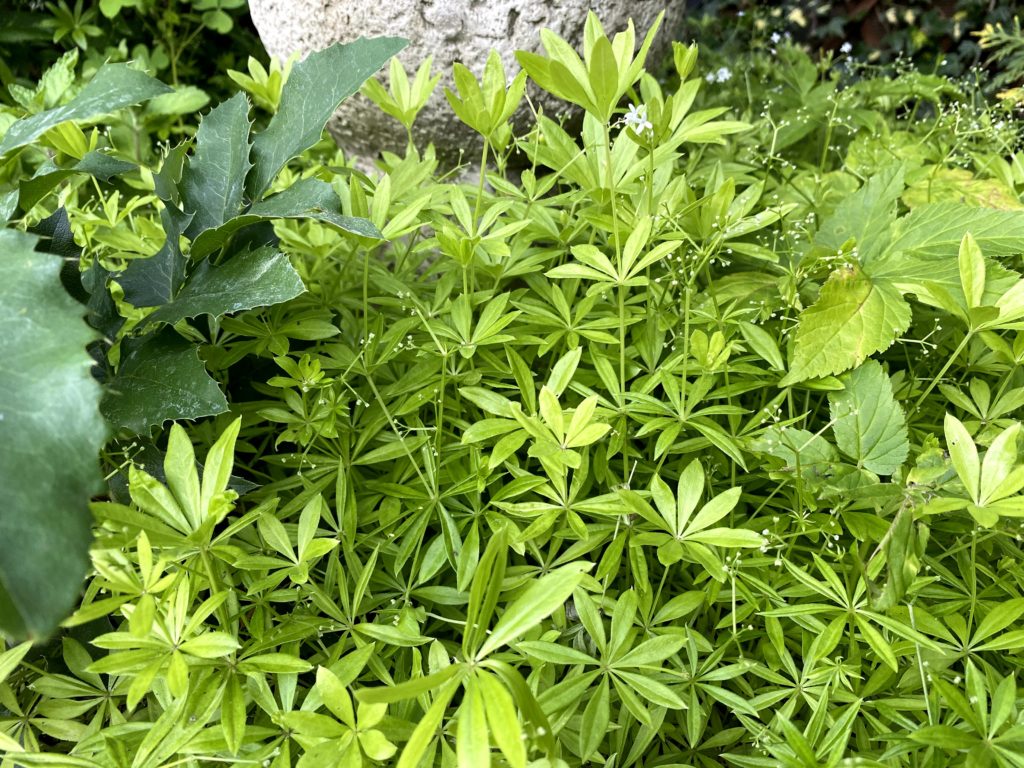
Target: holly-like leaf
[[47, 176], [213, 182], [251, 279], [157, 280], [160, 377], [315, 88], [51, 432], [115, 86], [868, 423], [306, 199], [854, 317]]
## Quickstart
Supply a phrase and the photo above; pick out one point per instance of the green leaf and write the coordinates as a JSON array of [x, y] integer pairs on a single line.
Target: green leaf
[[472, 742], [51, 432], [156, 280], [502, 719], [810, 454], [999, 618], [160, 378], [936, 231], [972, 271], [868, 423], [305, 199], [944, 737], [410, 688], [964, 455], [727, 537], [114, 86], [854, 317], [315, 88], [183, 100], [542, 598], [251, 279], [594, 725], [47, 176], [866, 216], [211, 645], [426, 729], [213, 182]]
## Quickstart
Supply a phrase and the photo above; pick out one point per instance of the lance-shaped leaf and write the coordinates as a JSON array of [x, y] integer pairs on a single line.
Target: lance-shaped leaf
[[160, 378], [213, 182], [542, 598], [868, 422], [51, 432], [315, 88], [306, 199], [115, 86], [251, 279], [854, 317]]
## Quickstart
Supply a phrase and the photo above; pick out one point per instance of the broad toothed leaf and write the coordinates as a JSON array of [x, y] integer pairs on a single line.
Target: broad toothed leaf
[[51, 432], [868, 423], [306, 199], [854, 317], [315, 88], [251, 279], [866, 215], [160, 378], [156, 280], [114, 86], [213, 182]]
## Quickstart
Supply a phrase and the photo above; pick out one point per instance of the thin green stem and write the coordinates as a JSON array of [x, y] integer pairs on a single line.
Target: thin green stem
[[609, 173], [935, 379]]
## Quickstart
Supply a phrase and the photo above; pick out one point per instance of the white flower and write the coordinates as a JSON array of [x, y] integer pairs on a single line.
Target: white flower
[[723, 74], [845, 47], [636, 118], [776, 38]]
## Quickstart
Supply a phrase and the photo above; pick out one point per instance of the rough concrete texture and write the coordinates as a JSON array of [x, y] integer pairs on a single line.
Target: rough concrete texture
[[451, 30]]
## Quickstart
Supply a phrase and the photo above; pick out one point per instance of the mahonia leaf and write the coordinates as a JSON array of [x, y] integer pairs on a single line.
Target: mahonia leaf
[[867, 421], [51, 432], [854, 317], [160, 378], [157, 279], [213, 182], [113, 87], [305, 199], [315, 88], [48, 175], [251, 279]]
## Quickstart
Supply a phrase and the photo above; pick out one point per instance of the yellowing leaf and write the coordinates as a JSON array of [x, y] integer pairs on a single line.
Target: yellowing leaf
[[854, 317]]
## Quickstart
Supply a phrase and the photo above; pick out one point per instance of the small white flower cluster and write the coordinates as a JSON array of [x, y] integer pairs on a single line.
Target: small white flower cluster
[[636, 118], [723, 75], [846, 47]]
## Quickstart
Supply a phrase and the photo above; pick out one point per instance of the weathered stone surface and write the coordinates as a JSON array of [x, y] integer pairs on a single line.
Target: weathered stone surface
[[450, 30]]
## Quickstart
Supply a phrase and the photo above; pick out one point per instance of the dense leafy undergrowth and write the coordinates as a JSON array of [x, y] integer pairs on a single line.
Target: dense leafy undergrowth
[[687, 438]]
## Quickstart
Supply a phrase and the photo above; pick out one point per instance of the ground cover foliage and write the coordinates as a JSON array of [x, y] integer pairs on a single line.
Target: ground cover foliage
[[686, 436]]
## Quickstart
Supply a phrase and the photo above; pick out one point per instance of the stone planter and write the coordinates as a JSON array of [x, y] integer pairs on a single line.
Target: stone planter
[[450, 30]]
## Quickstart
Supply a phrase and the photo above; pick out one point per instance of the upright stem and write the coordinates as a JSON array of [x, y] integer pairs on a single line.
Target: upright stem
[[940, 374], [479, 204], [621, 294]]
